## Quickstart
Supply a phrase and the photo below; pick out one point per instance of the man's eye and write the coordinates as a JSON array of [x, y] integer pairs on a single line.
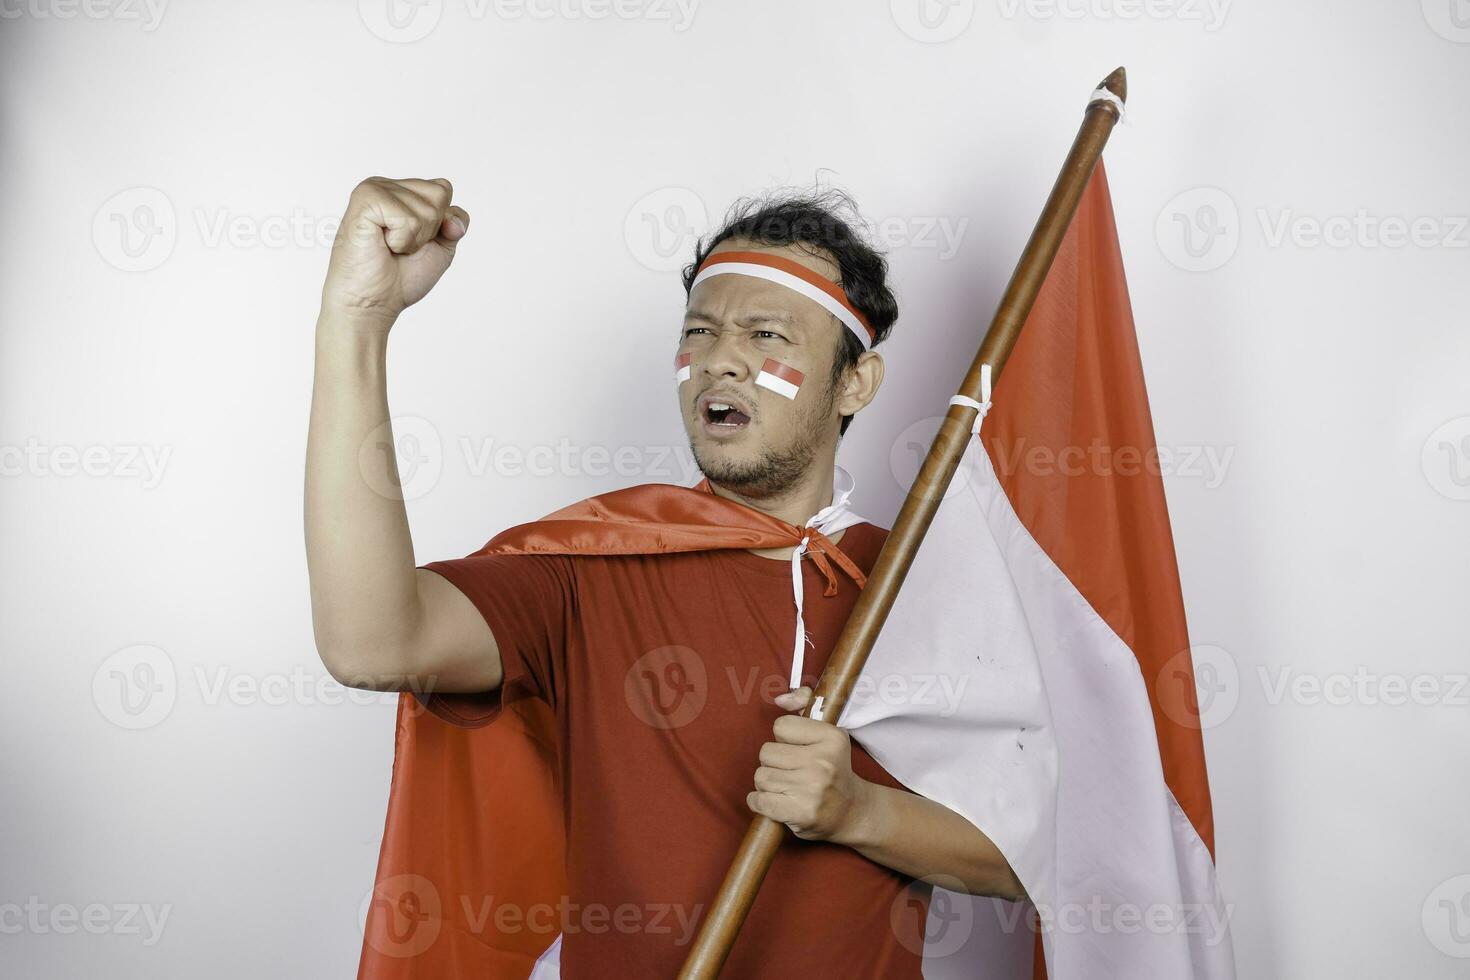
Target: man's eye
[[770, 333], [693, 330]]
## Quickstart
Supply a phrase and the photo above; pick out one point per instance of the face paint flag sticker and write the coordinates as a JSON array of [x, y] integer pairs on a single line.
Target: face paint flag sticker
[[781, 378], [681, 368]]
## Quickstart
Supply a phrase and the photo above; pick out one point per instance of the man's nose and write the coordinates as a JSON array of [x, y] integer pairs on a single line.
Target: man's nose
[[726, 358]]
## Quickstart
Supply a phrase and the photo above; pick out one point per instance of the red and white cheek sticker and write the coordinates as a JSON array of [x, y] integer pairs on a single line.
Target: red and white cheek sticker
[[682, 368], [783, 379]]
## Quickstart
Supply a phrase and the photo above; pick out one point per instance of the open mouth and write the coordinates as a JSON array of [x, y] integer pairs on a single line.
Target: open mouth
[[723, 416]]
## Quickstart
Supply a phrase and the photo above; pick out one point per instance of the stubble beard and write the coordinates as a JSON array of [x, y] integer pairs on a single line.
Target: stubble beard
[[775, 472]]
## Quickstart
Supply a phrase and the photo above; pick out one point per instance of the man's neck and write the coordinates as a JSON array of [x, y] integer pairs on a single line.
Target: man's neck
[[796, 506]]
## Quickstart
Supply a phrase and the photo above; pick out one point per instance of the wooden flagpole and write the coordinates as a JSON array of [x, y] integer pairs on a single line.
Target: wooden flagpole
[[737, 893]]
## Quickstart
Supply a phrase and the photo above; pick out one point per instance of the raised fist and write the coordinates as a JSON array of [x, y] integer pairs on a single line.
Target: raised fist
[[396, 239]]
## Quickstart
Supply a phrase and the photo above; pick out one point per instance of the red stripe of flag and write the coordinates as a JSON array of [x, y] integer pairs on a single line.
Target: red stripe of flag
[[783, 371]]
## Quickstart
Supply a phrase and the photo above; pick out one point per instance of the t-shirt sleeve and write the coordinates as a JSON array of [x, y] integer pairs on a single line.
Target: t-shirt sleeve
[[528, 601]]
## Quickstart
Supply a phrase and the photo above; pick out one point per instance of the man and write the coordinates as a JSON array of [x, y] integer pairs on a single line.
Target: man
[[774, 360]]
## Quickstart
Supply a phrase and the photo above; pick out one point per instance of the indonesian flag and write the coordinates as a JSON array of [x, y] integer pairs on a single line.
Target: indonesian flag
[[783, 379], [1048, 583], [1039, 645]]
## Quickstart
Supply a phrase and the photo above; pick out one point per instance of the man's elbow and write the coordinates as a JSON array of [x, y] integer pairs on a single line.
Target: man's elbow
[[1000, 881], [989, 875], [358, 665]]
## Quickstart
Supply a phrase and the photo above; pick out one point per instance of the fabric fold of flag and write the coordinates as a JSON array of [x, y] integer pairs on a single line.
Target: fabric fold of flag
[[1046, 592]]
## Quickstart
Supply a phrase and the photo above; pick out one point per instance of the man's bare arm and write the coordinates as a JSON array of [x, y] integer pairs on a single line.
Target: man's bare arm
[[926, 839], [380, 622], [805, 780]]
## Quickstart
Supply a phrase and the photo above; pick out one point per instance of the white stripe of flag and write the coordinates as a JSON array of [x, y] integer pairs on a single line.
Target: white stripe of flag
[[783, 379]]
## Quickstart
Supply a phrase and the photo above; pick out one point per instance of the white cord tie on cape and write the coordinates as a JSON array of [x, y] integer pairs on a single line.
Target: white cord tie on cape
[[827, 521]]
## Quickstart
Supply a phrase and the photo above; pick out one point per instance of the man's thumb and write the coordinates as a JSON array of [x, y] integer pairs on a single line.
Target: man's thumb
[[454, 227], [794, 700]]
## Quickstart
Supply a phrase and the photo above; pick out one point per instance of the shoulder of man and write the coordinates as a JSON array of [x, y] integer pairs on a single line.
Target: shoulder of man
[[862, 542]]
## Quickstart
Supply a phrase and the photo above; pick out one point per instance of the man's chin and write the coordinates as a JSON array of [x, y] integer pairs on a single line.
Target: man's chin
[[750, 471], [726, 457]]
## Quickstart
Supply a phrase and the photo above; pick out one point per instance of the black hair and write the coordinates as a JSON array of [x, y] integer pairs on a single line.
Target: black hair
[[815, 221]]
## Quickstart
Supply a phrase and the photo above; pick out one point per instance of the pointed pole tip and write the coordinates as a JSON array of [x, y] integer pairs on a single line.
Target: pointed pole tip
[[1117, 83]]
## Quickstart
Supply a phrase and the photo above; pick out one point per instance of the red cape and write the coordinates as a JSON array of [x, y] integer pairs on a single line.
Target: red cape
[[474, 810]]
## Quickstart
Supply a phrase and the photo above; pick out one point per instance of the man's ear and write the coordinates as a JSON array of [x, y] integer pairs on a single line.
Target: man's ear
[[861, 383]]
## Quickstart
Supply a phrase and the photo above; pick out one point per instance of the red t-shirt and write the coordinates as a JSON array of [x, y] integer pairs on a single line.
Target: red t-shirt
[[660, 670]]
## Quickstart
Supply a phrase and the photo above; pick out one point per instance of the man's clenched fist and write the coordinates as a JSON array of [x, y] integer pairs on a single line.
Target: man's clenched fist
[[805, 779], [396, 239]]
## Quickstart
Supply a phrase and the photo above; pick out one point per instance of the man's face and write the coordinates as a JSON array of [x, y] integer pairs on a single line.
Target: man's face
[[763, 444]]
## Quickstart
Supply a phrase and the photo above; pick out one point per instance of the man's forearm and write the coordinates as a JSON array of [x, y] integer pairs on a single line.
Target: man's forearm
[[369, 614], [927, 840], [358, 548]]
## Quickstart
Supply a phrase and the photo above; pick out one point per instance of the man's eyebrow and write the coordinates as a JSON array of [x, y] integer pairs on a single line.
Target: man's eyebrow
[[782, 318]]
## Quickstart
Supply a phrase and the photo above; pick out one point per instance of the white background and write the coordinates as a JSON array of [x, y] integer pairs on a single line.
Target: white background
[[167, 174]]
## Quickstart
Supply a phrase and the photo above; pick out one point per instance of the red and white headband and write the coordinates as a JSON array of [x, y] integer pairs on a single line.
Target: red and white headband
[[792, 275]]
